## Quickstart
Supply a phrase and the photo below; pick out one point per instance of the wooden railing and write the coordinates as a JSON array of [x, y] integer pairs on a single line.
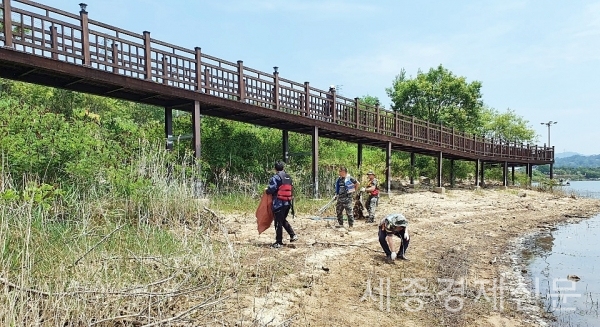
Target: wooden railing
[[48, 32]]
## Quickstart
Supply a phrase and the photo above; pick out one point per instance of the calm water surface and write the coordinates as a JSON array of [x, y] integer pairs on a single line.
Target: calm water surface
[[571, 250]]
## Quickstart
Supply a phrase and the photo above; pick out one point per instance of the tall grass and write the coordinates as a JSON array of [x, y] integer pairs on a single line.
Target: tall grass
[[108, 255]]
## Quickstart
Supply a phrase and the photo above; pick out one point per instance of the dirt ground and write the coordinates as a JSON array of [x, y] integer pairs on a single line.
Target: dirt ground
[[461, 270]]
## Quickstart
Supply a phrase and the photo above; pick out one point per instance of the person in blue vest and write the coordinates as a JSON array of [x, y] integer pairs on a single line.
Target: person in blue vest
[[345, 186], [394, 224], [281, 187]]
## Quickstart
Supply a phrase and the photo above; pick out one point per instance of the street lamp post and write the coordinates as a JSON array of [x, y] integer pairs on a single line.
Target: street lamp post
[[550, 123]]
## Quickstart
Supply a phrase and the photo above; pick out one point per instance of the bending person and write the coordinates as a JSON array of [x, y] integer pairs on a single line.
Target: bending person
[[394, 224]]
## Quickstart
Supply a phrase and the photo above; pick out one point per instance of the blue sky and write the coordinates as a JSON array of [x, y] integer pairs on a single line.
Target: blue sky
[[539, 58]]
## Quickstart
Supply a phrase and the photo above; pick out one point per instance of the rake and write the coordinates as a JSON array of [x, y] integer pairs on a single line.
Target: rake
[[325, 207]]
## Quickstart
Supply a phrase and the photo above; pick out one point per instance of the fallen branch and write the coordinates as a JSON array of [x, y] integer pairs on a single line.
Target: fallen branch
[[211, 212], [116, 318], [151, 284], [12, 286], [184, 313], [341, 244], [97, 244]]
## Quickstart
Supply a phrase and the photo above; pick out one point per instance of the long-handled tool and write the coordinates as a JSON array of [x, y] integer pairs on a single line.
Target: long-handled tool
[[320, 212]]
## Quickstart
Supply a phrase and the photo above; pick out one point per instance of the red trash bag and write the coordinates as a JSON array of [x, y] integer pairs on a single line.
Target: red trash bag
[[264, 213]]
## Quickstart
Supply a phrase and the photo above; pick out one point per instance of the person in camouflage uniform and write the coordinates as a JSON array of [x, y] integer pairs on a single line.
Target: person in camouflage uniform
[[345, 186], [373, 189]]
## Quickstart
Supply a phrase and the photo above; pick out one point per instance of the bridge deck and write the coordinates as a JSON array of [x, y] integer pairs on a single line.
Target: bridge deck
[[51, 47]]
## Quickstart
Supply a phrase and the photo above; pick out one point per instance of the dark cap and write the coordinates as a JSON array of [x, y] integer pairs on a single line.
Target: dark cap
[[279, 165]]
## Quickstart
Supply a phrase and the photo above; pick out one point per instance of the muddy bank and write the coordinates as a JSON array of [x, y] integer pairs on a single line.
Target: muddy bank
[[463, 268]]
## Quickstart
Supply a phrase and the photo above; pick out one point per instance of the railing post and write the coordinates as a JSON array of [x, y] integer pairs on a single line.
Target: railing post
[[165, 67], [333, 105], [207, 81], [412, 128], [521, 152], [147, 55], [54, 40], [396, 124], [85, 36], [544, 152], [8, 37], [357, 112], [441, 135], [306, 99], [198, 64], [427, 131], [378, 123], [453, 139], [241, 82], [474, 144], [276, 87], [115, 58], [536, 153]]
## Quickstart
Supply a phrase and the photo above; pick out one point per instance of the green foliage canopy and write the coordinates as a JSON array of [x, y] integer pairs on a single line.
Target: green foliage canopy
[[438, 96]]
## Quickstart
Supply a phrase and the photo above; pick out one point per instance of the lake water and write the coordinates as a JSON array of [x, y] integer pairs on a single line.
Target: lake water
[[572, 249]]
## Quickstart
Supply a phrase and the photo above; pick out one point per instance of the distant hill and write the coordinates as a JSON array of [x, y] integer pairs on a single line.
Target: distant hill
[[566, 154], [592, 161]]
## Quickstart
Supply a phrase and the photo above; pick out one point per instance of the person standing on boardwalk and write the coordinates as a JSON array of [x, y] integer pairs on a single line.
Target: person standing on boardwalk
[[373, 189], [394, 225], [344, 190], [328, 105], [281, 187]]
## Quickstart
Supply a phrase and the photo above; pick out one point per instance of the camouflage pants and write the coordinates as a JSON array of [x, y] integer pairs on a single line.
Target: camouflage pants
[[344, 202], [371, 205]]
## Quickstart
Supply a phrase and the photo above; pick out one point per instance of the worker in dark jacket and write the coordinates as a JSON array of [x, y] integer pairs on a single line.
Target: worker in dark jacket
[[394, 225], [281, 187]]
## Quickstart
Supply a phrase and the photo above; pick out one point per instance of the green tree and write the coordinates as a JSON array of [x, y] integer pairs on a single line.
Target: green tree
[[438, 96], [368, 102], [506, 127]]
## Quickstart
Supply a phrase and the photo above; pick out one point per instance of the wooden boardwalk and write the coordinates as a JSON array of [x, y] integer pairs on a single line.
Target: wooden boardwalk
[[48, 46]]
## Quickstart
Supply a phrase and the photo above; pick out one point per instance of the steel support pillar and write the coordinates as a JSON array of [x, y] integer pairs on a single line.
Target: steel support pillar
[[286, 145], [452, 174], [388, 167], [412, 168], [477, 173], [513, 175], [315, 161], [359, 156], [196, 127], [439, 169], [482, 173], [169, 128], [505, 173]]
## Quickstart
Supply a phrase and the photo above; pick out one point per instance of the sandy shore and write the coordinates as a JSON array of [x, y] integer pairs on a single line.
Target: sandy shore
[[464, 264]]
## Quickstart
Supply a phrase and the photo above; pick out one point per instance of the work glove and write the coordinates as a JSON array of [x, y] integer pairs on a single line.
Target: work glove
[[335, 197], [362, 189], [393, 255]]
